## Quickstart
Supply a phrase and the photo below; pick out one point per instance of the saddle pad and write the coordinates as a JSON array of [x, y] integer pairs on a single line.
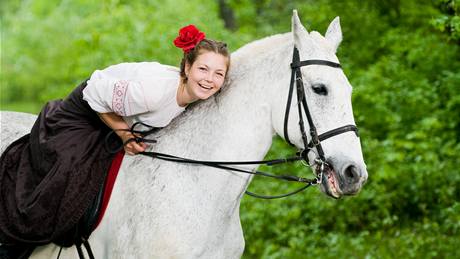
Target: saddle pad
[[110, 181]]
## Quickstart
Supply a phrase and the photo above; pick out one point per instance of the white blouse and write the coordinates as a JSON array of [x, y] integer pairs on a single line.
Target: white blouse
[[144, 91]]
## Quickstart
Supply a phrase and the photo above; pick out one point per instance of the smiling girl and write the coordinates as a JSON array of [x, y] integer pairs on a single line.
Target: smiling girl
[[155, 93], [50, 177]]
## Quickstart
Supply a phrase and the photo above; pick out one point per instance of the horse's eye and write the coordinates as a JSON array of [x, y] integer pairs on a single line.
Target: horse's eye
[[319, 89]]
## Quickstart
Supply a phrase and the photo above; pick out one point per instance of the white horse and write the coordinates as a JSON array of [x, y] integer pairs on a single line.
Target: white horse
[[161, 209]]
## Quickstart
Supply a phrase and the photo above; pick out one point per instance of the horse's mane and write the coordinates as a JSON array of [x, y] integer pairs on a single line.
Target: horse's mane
[[256, 47]]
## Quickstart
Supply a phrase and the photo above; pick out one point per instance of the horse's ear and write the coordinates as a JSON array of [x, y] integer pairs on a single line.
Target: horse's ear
[[334, 33], [297, 28]]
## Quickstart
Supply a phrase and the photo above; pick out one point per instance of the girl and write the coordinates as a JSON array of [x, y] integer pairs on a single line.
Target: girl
[[50, 177]]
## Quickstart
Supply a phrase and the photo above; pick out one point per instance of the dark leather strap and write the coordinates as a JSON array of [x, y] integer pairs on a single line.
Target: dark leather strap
[[315, 62], [302, 101], [288, 108], [335, 132], [88, 249], [224, 165], [142, 133], [270, 197]]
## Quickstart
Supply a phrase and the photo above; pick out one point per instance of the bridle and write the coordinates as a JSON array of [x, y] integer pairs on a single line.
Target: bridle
[[314, 143]]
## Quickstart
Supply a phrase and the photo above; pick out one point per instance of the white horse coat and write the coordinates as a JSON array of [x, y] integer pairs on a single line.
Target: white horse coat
[[161, 209]]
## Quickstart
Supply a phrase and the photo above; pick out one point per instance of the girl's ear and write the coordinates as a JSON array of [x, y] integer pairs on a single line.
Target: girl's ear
[[187, 69]]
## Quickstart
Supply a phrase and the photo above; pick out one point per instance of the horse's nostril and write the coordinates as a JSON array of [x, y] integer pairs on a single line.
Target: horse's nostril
[[353, 178], [352, 173]]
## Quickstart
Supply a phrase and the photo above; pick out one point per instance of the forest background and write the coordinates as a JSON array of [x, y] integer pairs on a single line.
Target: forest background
[[402, 58]]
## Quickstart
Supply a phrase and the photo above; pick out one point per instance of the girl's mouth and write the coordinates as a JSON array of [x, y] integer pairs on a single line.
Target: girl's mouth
[[205, 87]]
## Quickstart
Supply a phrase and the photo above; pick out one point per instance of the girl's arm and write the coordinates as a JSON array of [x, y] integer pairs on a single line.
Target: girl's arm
[[115, 121]]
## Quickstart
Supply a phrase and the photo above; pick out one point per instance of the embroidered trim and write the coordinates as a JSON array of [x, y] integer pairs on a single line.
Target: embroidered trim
[[118, 98]]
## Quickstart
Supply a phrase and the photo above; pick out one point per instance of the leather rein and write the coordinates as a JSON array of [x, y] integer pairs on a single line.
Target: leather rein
[[315, 142]]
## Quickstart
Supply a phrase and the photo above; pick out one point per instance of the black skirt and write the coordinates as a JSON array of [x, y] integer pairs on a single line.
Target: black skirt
[[48, 178]]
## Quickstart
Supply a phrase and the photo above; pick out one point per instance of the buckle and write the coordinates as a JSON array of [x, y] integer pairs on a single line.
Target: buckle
[[314, 138]]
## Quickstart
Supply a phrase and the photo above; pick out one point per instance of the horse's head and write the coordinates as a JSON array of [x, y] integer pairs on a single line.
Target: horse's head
[[328, 101]]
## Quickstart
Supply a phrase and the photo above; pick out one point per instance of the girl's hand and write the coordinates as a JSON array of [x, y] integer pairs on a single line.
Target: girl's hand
[[115, 122], [132, 148]]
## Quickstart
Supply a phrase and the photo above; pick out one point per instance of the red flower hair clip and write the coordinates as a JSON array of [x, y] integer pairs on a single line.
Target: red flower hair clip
[[189, 37]]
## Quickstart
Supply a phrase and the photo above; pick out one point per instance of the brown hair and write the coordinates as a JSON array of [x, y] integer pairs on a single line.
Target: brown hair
[[203, 46]]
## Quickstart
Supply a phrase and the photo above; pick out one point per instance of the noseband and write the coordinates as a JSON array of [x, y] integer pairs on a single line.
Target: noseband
[[315, 139]]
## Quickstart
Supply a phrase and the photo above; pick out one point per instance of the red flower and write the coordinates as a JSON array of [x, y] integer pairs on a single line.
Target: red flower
[[189, 37]]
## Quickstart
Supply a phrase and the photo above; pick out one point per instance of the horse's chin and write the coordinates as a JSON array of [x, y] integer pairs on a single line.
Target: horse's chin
[[330, 183]]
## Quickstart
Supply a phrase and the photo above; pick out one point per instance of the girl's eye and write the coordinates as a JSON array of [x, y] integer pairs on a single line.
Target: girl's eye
[[202, 68], [220, 74]]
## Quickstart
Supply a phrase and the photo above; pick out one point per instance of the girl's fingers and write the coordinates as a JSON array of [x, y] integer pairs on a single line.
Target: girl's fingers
[[135, 147], [139, 147]]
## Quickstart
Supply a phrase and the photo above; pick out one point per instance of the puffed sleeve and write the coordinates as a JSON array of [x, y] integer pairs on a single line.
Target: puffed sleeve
[[122, 89]]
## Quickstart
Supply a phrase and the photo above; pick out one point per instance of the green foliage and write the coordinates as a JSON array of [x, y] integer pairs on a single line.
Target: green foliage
[[449, 20], [400, 56]]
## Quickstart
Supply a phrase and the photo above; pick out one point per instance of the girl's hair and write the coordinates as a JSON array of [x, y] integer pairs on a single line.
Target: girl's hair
[[203, 46]]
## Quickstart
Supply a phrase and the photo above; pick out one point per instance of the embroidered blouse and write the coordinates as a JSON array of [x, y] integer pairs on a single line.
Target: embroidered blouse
[[144, 91]]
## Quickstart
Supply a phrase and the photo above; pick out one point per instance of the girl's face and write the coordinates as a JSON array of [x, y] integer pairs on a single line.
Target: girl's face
[[206, 75]]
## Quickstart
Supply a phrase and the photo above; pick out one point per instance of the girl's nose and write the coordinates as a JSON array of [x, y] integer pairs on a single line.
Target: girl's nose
[[209, 77]]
